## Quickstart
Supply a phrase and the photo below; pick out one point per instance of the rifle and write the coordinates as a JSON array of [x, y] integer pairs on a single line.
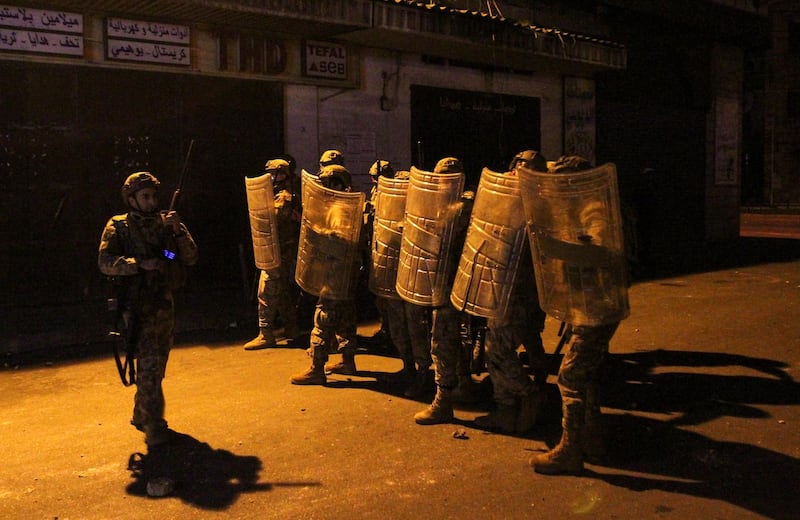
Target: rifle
[[124, 327], [177, 191]]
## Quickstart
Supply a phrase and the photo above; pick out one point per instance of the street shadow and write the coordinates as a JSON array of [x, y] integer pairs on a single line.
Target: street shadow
[[205, 477], [645, 453]]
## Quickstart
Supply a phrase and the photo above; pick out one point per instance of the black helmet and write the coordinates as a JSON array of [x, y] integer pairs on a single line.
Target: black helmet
[[138, 181], [531, 158]]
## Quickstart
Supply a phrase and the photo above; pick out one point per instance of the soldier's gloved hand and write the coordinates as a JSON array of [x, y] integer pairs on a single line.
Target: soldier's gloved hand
[[173, 221]]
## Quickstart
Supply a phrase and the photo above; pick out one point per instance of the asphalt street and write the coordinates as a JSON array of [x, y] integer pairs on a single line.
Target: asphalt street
[[700, 397]]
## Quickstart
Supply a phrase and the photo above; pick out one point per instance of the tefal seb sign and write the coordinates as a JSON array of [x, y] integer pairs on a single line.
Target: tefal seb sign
[[325, 60]]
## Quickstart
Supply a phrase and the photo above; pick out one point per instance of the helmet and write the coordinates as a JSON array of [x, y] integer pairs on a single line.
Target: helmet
[[138, 181], [530, 158], [448, 165], [381, 169], [289, 159], [277, 166], [329, 157], [570, 164], [336, 174]]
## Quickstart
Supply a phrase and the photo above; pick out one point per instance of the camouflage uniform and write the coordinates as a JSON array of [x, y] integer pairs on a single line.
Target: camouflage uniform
[[446, 343], [334, 319], [277, 292], [126, 241], [515, 395], [581, 436]]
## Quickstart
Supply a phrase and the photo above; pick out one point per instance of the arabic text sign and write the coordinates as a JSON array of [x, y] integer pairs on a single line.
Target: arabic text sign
[[55, 21], [148, 31], [148, 52], [41, 42]]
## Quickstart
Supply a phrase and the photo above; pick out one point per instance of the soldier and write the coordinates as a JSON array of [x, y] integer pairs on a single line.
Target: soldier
[[408, 324], [380, 168], [328, 262], [517, 399], [580, 236], [146, 251], [433, 237], [277, 293]]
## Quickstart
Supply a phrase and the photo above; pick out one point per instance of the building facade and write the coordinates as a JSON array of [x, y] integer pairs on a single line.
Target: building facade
[[92, 90]]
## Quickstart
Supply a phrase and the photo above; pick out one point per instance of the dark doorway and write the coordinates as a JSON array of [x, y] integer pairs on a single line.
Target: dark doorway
[[69, 137], [483, 130]]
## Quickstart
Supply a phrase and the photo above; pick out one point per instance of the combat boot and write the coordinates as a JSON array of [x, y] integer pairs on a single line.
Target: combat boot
[[467, 391], [315, 375], [592, 440], [567, 456], [291, 331], [347, 366], [502, 419], [440, 411], [265, 339]]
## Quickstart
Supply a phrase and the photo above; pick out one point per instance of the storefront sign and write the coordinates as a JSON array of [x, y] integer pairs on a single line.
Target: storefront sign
[[41, 31], [325, 60], [136, 40]]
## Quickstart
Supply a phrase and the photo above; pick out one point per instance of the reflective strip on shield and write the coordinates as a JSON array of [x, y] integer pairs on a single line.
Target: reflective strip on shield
[[263, 221], [575, 232], [328, 257], [492, 249], [432, 205], [390, 205]]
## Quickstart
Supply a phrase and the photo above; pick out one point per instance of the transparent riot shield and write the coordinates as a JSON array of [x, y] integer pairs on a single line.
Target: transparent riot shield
[[328, 256], [491, 253], [575, 231], [432, 205], [390, 205], [263, 221]]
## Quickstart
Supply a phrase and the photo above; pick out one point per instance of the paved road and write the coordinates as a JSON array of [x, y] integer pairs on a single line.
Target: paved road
[[701, 401]]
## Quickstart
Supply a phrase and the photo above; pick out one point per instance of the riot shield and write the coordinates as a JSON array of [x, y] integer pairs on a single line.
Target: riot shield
[[575, 231], [328, 257], [390, 205], [489, 260], [432, 205], [263, 221]]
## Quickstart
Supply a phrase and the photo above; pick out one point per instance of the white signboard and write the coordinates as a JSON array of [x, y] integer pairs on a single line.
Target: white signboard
[[150, 42], [46, 20], [149, 31], [325, 60], [40, 31]]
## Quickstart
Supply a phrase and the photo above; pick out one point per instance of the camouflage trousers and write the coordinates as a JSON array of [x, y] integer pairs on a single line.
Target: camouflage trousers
[[583, 359], [446, 345], [415, 345], [276, 291], [156, 325], [334, 329], [510, 378]]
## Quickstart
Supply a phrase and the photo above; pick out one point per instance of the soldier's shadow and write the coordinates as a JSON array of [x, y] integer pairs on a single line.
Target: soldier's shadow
[[205, 477], [647, 453]]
